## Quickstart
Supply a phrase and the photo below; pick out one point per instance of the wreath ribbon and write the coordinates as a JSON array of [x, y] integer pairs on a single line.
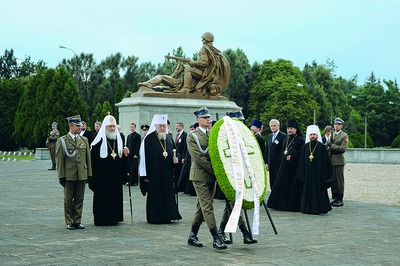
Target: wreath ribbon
[[238, 155]]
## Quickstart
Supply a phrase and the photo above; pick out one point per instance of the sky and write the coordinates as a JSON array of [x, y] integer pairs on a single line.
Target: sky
[[360, 36]]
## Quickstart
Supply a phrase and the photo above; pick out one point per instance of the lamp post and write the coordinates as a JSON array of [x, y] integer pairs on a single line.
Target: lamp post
[[76, 64], [314, 117], [365, 124]]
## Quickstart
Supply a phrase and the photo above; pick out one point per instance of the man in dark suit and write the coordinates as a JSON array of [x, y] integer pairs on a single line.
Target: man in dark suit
[[273, 146], [203, 178], [180, 141], [327, 136], [74, 168], [85, 132], [133, 143]]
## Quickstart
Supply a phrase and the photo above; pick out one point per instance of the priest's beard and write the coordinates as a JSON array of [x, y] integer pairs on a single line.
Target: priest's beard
[[111, 135], [161, 135]]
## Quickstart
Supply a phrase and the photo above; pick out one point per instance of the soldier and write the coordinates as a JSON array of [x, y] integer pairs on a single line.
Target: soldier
[[337, 146], [51, 140], [203, 178], [73, 169]]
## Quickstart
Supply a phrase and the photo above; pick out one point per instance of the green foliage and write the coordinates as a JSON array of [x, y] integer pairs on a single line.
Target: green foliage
[[50, 96], [29, 93], [358, 140], [119, 94], [278, 92], [396, 142], [10, 94], [106, 109], [239, 86]]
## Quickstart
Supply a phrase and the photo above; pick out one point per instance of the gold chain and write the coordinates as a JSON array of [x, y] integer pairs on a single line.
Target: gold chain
[[288, 145], [312, 152], [165, 153], [113, 154]]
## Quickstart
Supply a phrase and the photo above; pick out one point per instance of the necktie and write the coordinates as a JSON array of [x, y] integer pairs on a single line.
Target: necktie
[[273, 137], [177, 137]]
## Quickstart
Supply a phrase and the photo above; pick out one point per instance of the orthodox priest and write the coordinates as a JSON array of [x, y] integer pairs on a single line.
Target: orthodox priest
[[316, 174], [286, 191], [110, 171], [158, 162]]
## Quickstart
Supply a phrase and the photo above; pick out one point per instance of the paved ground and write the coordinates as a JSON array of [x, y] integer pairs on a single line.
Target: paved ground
[[32, 231]]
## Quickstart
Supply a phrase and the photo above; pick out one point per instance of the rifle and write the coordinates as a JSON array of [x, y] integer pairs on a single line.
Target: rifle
[[181, 59]]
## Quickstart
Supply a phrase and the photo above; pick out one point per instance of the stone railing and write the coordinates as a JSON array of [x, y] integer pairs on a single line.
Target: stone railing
[[382, 156], [42, 154]]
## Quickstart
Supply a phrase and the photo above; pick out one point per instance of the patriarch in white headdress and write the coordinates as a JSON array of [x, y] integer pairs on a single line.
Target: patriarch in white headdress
[[108, 133]]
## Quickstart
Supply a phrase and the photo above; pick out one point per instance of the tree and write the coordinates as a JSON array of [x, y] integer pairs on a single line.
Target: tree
[[50, 96], [10, 94], [238, 87], [119, 95], [276, 94]]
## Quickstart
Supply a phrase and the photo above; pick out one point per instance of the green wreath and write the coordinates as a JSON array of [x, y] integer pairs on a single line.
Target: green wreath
[[222, 165]]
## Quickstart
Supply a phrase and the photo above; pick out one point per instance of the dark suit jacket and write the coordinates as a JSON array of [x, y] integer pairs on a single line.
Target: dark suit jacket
[[181, 144], [88, 134], [271, 154]]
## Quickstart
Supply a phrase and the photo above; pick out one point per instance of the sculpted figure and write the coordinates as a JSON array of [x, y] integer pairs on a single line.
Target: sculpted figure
[[209, 75]]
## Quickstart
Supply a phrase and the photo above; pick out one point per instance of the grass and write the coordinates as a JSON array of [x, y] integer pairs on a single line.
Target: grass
[[19, 157]]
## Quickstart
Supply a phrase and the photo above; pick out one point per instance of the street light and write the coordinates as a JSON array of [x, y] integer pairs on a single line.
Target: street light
[[301, 85], [76, 64], [365, 124]]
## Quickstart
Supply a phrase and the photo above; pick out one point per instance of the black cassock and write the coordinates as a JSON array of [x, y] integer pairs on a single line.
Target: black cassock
[[316, 176], [286, 191], [161, 206], [108, 177]]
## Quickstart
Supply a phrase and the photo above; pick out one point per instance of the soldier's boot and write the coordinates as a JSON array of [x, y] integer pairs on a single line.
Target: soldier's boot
[[247, 237], [217, 243], [222, 235], [193, 240], [53, 167]]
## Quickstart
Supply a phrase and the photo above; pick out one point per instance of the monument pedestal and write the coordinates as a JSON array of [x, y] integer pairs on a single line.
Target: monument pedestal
[[140, 109]]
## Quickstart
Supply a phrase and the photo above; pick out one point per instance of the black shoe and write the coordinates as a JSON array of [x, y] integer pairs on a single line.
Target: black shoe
[[194, 241], [338, 203], [52, 169], [79, 226], [71, 227], [247, 239], [224, 238], [333, 201]]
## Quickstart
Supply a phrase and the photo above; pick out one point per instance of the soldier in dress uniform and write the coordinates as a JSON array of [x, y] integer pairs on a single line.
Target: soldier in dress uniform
[[54, 134], [73, 169], [337, 146], [203, 178]]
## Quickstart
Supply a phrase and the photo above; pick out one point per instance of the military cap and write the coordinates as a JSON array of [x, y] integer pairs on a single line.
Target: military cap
[[202, 112], [76, 119], [338, 120], [54, 124], [144, 127], [236, 114]]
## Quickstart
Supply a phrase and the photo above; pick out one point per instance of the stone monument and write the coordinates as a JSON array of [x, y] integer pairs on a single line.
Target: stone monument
[[193, 84]]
